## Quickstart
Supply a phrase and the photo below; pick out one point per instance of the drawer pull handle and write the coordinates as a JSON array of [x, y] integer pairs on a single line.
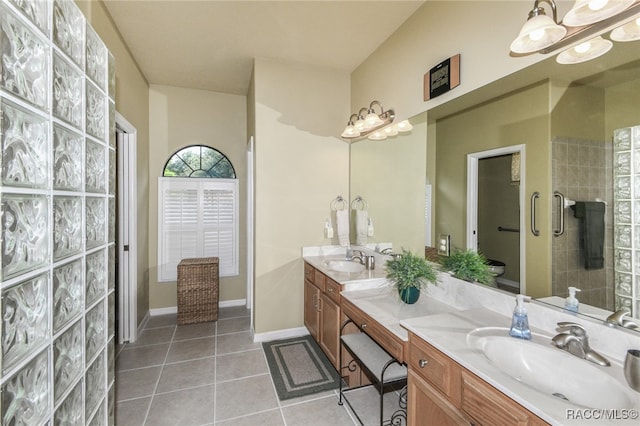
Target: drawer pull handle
[[363, 326], [423, 363]]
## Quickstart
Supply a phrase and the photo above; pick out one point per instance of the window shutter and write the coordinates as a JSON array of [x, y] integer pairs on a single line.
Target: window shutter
[[197, 218]]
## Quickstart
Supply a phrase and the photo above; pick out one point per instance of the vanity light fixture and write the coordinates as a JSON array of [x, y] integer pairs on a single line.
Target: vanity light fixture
[[627, 32], [366, 125], [586, 51], [587, 18]]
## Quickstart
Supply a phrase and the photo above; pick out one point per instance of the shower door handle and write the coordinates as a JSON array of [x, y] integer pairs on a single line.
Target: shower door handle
[[534, 229], [560, 230]]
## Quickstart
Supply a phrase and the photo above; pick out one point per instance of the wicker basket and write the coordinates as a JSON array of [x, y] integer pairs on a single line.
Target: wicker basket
[[197, 290]]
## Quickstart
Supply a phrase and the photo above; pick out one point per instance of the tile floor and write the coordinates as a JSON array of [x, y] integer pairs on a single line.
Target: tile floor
[[212, 373]]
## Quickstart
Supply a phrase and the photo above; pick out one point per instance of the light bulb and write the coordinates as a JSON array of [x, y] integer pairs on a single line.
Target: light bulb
[[584, 47], [536, 34], [597, 4]]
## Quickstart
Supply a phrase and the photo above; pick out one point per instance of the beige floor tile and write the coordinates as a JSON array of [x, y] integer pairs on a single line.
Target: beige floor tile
[[233, 312], [237, 342], [187, 374], [366, 403], [245, 396], [154, 336], [143, 356], [185, 408], [243, 364], [195, 331], [137, 383], [192, 349], [267, 418], [319, 412], [233, 325], [133, 412]]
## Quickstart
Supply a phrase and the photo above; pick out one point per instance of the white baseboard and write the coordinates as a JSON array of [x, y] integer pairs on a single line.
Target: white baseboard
[[280, 334], [174, 309], [508, 283]]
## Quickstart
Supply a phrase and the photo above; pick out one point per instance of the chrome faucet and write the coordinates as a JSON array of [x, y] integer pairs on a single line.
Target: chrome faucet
[[360, 256], [618, 318], [573, 339]]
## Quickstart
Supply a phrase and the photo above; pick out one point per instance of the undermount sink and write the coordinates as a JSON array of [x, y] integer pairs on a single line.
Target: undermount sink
[[345, 266], [540, 365]]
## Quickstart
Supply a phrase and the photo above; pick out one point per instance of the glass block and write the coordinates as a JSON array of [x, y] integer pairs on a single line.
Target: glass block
[[25, 396], [622, 236], [97, 111], [68, 286], [25, 324], [623, 261], [622, 139], [71, 410], [95, 388], [25, 147], [622, 163], [96, 276], [111, 419], [68, 30], [622, 212], [623, 284], [25, 233], [68, 147], [96, 63], [112, 267], [111, 320], [96, 222], [67, 226], [622, 187], [112, 220], [112, 125], [111, 71], [99, 418], [36, 11], [25, 60], [94, 331], [112, 172], [623, 302], [95, 167], [67, 360], [67, 91], [111, 356]]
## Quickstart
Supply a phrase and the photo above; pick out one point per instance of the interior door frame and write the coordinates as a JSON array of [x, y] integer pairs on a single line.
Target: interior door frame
[[473, 160], [127, 246]]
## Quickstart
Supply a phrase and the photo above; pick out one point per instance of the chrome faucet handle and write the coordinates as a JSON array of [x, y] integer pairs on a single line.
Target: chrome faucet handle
[[387, 250], [617, 317], [574, 328]]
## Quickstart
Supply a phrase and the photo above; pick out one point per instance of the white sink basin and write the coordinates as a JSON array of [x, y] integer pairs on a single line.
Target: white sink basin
[[549, 370], [344, 266]]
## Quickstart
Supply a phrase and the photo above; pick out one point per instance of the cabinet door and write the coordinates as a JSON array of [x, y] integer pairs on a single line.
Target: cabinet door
[[311, 309], [427, 406], [330, 325]]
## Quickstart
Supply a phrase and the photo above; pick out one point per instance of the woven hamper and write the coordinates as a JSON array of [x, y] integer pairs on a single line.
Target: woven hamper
[[197, 290]]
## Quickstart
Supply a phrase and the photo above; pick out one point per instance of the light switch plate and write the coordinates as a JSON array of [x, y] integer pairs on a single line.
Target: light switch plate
[[444, 244]]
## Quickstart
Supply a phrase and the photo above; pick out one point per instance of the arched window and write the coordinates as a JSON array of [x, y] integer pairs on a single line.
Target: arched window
[[199, 161]]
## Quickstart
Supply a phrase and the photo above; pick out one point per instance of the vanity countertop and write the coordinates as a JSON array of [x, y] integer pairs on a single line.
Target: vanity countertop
[[449, 332], [320, 259]]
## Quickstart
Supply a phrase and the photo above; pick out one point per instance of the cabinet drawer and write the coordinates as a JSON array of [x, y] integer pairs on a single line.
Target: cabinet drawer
[[383, 337], [309, 272], [332, 289], [435, 367], [318, 279]]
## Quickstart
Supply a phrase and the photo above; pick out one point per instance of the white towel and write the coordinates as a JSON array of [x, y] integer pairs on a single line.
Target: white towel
[[362, 222], [342, 223]]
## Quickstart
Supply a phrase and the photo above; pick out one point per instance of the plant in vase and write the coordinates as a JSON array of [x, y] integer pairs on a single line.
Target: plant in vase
[[409, 273], [469, 265]]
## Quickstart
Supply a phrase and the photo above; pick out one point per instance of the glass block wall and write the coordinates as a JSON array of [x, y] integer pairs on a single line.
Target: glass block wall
[[626, 189], [57, 196]]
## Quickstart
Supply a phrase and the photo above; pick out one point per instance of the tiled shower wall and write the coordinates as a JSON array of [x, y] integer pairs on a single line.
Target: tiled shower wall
[[57, 194], [582, 171]]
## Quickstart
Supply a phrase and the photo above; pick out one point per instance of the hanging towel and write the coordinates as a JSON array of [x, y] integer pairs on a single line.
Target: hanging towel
[[342, 223], [362, 222], [591, 214]]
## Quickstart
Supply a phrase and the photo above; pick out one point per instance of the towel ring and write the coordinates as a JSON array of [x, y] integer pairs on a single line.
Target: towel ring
[[339, 200], [359, 201]]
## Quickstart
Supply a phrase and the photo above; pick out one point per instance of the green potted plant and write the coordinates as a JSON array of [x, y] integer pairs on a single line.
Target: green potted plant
[[468, 265], [409, 273]]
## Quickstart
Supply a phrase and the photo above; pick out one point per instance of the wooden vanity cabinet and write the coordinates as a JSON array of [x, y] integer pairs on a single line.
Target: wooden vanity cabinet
[[442, 392]]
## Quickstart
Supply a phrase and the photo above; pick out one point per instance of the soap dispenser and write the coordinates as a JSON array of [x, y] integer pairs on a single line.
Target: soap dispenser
[[571, 303], [520, 322]]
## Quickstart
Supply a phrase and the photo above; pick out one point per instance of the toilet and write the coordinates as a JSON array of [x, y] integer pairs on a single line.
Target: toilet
[[496, 267]]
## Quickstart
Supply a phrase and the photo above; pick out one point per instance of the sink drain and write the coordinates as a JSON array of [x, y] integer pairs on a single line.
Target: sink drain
[[561, 396]]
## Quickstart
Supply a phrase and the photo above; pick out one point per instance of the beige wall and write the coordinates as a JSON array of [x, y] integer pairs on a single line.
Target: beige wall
[[300, 167], [132, 101], [623, 106], [180, 117]]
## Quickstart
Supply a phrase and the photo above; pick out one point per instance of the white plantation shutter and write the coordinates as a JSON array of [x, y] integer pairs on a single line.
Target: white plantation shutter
[[197, 218]]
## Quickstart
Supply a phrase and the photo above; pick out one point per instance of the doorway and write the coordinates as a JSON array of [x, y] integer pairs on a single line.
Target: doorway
[[126, 287], [495, 197]]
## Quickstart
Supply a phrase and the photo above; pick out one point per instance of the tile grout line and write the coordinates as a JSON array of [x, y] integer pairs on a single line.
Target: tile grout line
[[146, 416], [215, 371]]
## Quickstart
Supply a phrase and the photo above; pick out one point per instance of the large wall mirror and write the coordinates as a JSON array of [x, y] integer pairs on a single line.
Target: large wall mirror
[[565, 117]]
